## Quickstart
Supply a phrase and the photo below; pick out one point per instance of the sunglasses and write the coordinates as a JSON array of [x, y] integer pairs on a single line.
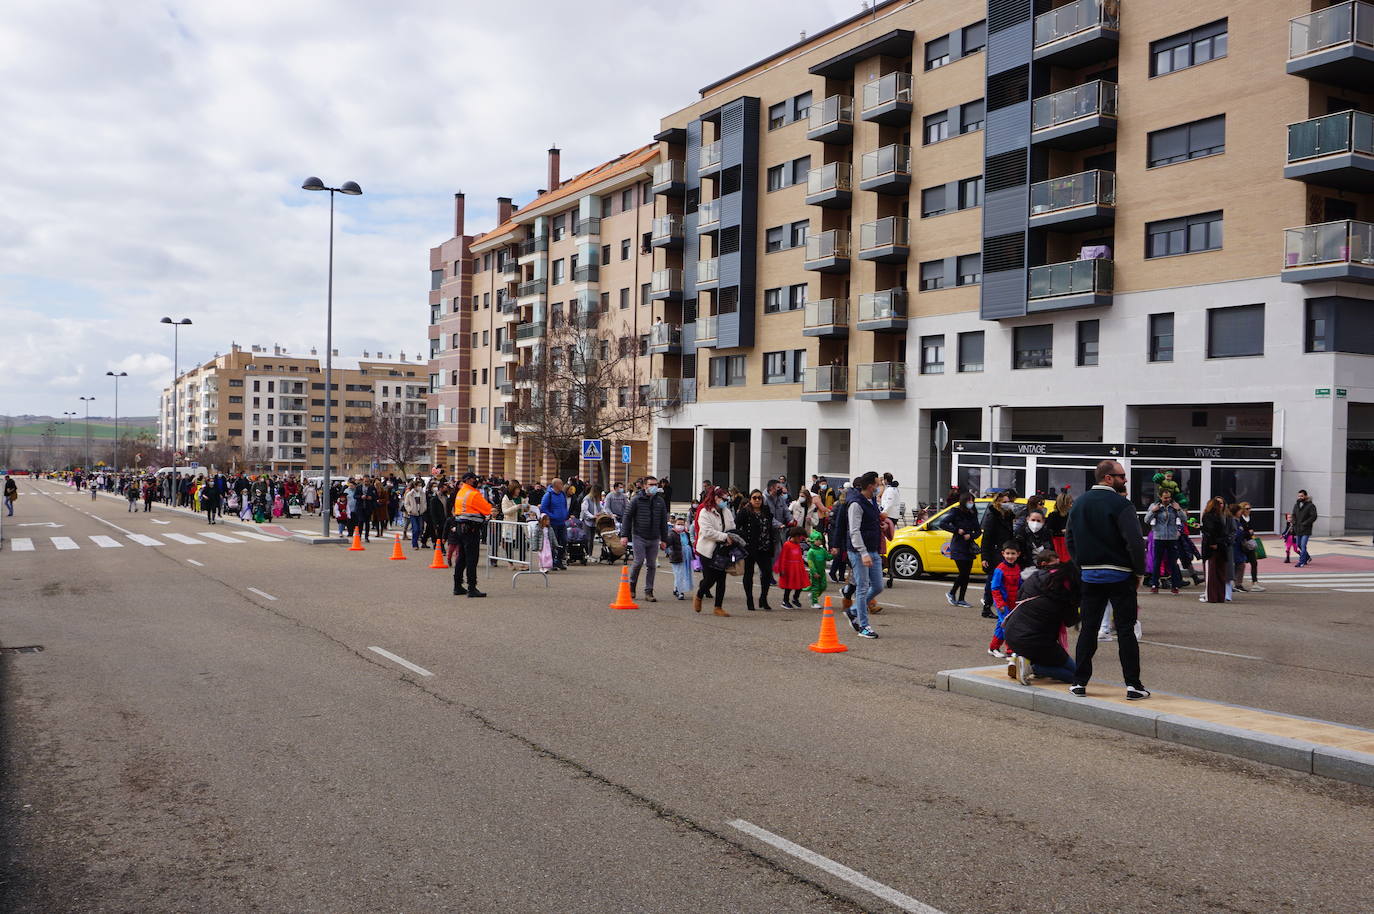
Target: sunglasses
[[756, 498]]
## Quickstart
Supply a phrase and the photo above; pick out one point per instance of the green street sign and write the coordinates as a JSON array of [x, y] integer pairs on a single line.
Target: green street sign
[[1340, 392], [1323, 391]]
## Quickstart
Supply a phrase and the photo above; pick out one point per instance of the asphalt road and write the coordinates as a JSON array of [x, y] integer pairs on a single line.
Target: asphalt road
[[184, 743]]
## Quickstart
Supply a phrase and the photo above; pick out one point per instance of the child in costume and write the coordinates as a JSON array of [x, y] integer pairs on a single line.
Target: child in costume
[[817, 557]]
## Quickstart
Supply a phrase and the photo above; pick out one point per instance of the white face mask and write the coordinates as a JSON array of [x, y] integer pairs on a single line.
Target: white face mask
[[654, 490], [1035, 525]]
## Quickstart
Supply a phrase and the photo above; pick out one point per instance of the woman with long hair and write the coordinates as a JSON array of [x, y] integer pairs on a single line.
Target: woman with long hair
[[756, 527], [1057, 523], [1216, 547], [961, 523], [713, 519]]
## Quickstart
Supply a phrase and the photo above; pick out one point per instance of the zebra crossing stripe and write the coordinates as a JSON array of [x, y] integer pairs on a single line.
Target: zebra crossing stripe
[[261, 537], [144, 540], [183, 538], [64, 542], [219, 537], [107, 542], [21, 544]]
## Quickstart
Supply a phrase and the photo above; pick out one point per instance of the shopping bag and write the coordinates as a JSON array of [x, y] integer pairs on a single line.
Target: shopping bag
[[1259, 548]]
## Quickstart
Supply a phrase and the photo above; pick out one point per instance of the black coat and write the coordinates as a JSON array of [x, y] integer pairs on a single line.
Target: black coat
[[997, 532], [1049, 599], [757, 531], [966, 519]]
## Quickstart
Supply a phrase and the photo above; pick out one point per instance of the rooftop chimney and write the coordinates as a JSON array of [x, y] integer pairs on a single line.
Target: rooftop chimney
[[503, 210], [553, 168], [312, 350], [458, 207]]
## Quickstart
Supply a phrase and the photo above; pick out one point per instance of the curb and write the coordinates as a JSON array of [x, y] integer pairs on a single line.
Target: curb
[[187, 512], [1296, 754]]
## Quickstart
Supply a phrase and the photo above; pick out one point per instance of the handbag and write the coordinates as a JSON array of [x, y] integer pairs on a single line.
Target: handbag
[[1259, 548]]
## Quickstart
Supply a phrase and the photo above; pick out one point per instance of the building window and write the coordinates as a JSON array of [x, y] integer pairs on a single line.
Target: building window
[[625, 249], [1188, 235], [1319, 326], [801, 107], [727, 371], [772, 301], [644, 292], [932, 275], [1234, 332], [775, 367], [796, 296], [777, 177], [800, 168], [975, 37], [1034, 346], [1087, 342], [971, 351], [1188, 141], [777, 115], [624, 298], [933, 354], [436, 279], [773, 238], [933, 201], [627, 199], [971, 116], [937, 52], [971, 192], [970, 267], [558, 271], [796, 234], [1161, 337], [935, 127], [1188, 49]]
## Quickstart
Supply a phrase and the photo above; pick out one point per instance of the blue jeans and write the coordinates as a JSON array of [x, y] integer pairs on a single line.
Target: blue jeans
[[1301, 543], [1064, 672], [560, 543], [868, 583], [417, 526]]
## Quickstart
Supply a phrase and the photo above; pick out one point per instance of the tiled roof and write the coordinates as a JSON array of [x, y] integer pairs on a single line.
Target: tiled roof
[[617, 166]]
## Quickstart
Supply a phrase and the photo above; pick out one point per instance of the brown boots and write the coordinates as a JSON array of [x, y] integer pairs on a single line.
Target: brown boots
[[696, 602]]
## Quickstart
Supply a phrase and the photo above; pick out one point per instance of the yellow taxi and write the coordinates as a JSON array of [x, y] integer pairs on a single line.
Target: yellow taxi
[[924, 548]]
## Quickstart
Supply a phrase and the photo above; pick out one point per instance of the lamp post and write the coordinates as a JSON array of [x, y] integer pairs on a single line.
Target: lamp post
[[352, 189], [88, 401], [176, 436], [67, 419], [117, 375]]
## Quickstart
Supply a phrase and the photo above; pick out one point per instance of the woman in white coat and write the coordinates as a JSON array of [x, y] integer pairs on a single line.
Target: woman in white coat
[[713, 519], [805, 512]]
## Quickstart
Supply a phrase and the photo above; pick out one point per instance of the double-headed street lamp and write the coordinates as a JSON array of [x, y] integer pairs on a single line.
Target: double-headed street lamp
[[352, 189], [67, 419], [117, 375], [176, 440], [88, 401]]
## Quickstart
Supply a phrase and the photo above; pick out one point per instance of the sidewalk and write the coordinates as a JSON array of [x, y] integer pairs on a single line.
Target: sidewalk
[[1318, 747], [1329, 553]]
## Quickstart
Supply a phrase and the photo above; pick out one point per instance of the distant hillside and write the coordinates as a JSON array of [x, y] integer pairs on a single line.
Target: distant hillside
[[32, 427]]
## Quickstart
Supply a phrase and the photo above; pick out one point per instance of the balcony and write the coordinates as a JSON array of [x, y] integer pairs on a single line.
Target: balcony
[[529, 334], [886, 170], [587, 228], [1334, 45], [586, 272], [828, 317], [883, 312], [887, 100], [670, 178], [293, 404], [1076, 118], [508, 347], [532, 246], [1333, 151], [1074, 203], [665, 285], [511, 267], [880, 381], [885, 240], [829, 186], [532, 288], [666, 232], [507, 389], [665, 339], [1079, 33], [832, 121], [1075, 284], [665, 391], [708, 273], [708, 330], [1331, 251], [708, 216], [526, 376], [827, 252], [825, 384], [708, 158], [506, 429], [506, 303]]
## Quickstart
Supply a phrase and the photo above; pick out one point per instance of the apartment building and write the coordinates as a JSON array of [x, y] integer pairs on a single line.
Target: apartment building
[[564, 279], [263, 410], [992, 243]]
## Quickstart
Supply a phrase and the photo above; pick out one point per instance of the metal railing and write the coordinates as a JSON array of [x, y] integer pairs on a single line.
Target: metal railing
[[835, 176], [529, 331], [665, 335], [1083, 189], [825, 379], [884, 232], [832, 243], [708, 270], [1096, 97], [510, 542], [508, 347], [533, 287], [511, 267], [666, 281], [880, 376], [837, 109], [888, 304], [669, 226], [586, 272], [826, 312], [708, 328], [1072, 18], [708, 213], [894, 87], [1346, 241], [588, 226], [673, 171], [709, 155], [889, 160], [1345, 23], [534, 245], [1074, 277], [1345, 131]]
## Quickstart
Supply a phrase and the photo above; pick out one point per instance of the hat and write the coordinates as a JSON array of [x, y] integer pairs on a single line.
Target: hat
[[816, 536], [468, 475]]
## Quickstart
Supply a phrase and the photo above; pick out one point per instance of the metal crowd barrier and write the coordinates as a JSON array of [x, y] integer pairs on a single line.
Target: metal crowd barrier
[[509, 541]]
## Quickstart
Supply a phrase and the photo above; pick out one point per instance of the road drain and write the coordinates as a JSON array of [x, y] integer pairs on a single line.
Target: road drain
[[26, 649]]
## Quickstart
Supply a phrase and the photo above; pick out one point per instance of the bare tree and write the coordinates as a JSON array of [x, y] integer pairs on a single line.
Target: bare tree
[[6, 441], [393, 437]]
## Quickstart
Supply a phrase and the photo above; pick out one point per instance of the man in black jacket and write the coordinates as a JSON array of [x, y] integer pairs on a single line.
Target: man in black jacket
[[646, 524], [1304, 518], [1104, 540]]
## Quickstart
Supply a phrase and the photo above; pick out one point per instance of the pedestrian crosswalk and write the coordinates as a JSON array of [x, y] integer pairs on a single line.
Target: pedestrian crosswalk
[[1337, 581], [67, 543]]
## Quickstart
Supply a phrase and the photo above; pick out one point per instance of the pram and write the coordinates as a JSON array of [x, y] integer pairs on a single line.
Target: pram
[[608, 529], [578, 546]]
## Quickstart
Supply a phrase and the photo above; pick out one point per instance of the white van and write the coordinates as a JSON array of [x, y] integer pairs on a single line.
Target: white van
[[183, 471]]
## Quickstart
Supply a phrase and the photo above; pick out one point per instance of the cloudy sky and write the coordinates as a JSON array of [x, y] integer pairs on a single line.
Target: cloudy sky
[[151, 153]]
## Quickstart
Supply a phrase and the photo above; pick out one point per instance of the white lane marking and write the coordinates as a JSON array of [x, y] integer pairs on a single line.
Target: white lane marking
[[144, 540], [183, 538], [890, 605], [107, 523], [253, 535], [21, 544], [1200, 650], [402, 661], [163, 522], [197, 564], [1329, 584], [265, 596], [1294, 578], [220, 537], [1355, 590], [107, 542], [853, 877], [64, 542]]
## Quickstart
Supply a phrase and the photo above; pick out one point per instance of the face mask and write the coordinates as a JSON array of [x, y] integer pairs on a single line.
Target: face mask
[[1035, 525], [654, 490], [680, 528]]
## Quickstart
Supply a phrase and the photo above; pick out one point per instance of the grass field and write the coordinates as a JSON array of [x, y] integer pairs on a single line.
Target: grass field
[[78, 429]]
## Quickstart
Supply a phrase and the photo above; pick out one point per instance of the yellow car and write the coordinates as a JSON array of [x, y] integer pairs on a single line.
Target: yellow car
[[924, 548]]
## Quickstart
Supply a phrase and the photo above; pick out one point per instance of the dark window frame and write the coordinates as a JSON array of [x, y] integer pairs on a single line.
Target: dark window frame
[[1185, 229], [1243, 316]]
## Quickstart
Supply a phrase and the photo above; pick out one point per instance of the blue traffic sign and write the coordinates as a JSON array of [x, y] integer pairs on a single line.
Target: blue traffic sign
[[624, 453], [591, 449]]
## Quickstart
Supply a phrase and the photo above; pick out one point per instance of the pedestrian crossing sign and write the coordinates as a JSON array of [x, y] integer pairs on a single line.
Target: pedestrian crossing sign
[[591, 449]]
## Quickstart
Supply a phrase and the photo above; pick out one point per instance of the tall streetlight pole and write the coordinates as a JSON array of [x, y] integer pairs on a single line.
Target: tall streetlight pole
[[67, 420], [88, 401], [117, 375], [176, 416], [352, 189]]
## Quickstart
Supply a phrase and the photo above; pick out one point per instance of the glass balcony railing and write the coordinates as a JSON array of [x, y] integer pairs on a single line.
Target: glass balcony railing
[[1083, 189], [534, 245], [708, 213], [511, 267], [508, 347], [889, 160], [1344, 23], [665, 281], [673, 171], [507, 429], [825, 379], [880, 376], [1347, 131], [585, 227], [823, 245], [1076, 277], [709, 155], [835, 176], [708, 270], [587, 272], [1331, 242], [885, 232], [529, 331], [826, 312], [1096, 97], [707, 328], [889, 304], [665, 335], [665, 390], [835, 110], [533, 287], [666, 227], [894, 87], [1072, 18]]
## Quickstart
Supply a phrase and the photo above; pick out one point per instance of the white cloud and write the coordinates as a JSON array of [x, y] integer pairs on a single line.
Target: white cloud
[[152, 152]]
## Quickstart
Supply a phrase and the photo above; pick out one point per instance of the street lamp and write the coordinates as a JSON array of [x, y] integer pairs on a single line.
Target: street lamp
[[117, 375], [67, 419], [352, 189], [176, 330], [88, 402]]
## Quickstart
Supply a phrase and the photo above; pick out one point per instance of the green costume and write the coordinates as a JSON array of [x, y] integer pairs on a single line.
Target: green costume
[[817, 557]]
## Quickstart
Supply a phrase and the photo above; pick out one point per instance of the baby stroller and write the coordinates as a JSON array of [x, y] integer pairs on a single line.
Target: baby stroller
[[578, 546], [608, 529]]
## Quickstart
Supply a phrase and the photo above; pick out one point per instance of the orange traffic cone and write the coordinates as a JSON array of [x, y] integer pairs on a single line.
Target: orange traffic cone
[[396, 554], [828, 642], [438, 558], [357, 542], [623, 600]]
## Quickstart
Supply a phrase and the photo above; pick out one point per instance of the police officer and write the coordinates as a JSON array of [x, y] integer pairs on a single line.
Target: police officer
[[471, 511]]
